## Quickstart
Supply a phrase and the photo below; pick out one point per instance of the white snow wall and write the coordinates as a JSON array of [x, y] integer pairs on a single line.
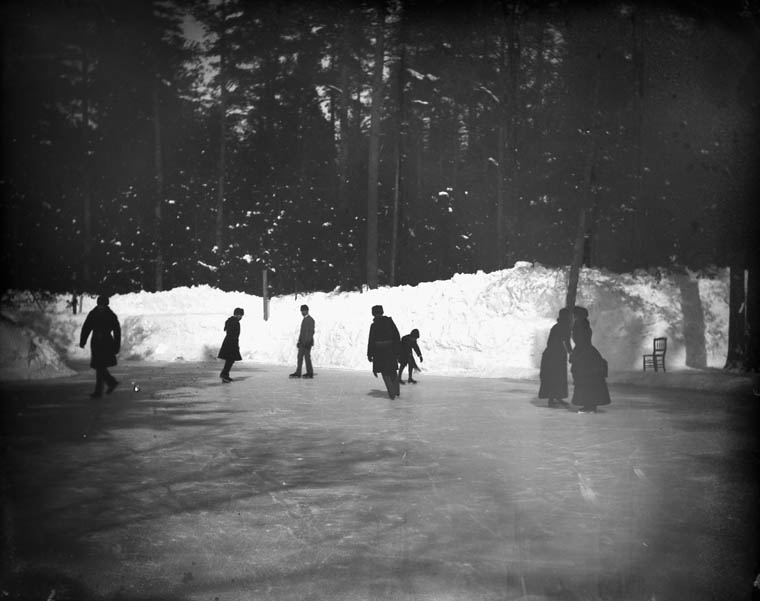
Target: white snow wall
[[493, 324]]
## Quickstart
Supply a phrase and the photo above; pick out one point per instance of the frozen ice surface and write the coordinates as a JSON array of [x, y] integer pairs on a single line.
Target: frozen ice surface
[[466, 489]]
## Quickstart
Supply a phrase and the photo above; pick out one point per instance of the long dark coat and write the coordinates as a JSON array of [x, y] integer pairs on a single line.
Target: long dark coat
[[231, 344], [106, 336], [384, 345], [554, 363], [589, 377]]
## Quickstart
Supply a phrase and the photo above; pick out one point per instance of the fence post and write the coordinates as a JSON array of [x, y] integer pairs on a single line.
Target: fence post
[[265, 294]]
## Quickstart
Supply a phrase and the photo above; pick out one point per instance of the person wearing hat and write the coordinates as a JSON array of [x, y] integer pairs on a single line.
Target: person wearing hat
[[230, 350], [382, 349], [304, 344], [409, 344], [553, 372], [105, 344]]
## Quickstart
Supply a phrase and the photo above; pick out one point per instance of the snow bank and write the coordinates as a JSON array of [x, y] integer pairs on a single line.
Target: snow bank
[[483, 324], [25, 354]]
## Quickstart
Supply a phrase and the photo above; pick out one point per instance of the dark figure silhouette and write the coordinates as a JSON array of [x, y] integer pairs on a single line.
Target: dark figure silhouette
[[589, 377], [105, 344], [230, 350], [409, 345], [383, 347], [304, 344], [554, 361], [581, 331]]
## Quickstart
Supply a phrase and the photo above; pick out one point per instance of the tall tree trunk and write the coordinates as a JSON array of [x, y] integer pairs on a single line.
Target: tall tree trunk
[[575, 266], [501, 239], [540, 77], [641, 258], [343, 128], [222, 167], [374, 151], [512, 107], [586, 226], [85, 175], [737, 315], [752, 299], [398, 153], [159, 178]]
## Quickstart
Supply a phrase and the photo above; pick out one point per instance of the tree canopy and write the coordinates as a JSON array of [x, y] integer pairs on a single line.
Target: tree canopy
[[156, 144]]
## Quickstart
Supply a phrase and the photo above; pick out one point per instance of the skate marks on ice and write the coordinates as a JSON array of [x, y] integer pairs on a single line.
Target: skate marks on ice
[[457, 490]]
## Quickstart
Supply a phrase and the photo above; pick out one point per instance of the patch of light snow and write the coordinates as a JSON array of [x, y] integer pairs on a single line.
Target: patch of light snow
[[482, 324]]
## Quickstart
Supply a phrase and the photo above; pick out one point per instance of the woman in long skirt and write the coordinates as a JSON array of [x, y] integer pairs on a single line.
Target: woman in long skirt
[[589, 378], [554, 361]]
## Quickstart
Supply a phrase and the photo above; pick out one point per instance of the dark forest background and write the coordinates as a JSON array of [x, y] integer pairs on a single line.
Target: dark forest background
[[149, 145]]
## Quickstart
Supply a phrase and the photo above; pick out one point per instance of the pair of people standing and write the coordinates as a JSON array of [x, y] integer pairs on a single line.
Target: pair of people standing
[[386, 349], [230, 349], [588, 367]]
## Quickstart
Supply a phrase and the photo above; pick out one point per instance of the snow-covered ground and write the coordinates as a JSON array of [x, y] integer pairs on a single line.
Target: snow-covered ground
[[484, 324]]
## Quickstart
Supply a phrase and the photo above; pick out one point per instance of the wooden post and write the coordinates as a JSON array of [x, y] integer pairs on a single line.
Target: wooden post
[[265, 293]]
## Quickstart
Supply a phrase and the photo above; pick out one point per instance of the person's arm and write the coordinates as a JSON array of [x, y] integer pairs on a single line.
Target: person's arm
[[86, 329], [396, 338], [370, 343], [416, 348], [116, 335]]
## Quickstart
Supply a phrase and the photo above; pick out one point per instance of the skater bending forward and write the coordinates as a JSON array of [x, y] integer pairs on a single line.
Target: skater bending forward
[[105, 344], [382, 349], [409, 344], [230, 350]]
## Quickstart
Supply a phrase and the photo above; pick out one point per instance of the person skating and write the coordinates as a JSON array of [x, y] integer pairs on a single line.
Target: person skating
[[589, 377], [409, 345], [304, 344], [105, 344], [230, 350], [383, 347], [553, 372]]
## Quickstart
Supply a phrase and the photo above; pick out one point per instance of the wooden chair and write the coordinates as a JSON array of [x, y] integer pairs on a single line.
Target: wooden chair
[[657, 358]]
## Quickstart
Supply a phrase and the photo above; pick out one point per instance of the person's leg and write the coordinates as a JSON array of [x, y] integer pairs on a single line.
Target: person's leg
[[299, 366], [98, 392], [401, 370], [307, 358], [111, 382], [412, 366], [225, 375], [389, 379]]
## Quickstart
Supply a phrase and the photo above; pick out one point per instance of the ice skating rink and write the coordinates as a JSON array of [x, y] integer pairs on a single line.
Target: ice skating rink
[[462, 489]]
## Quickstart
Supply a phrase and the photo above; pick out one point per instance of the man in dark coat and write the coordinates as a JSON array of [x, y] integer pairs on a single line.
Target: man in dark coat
[[589, 377], [554, 361], [230, 350], [383, 347], [409, 345], [105, 344], [304, 344]]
